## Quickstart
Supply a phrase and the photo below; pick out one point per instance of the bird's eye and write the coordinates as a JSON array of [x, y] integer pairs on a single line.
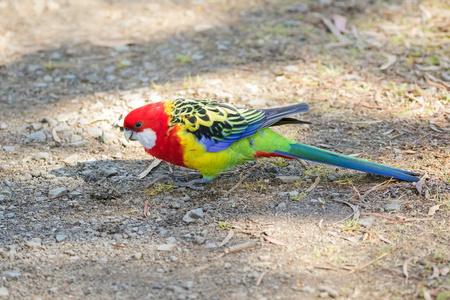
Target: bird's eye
[[138, 125]]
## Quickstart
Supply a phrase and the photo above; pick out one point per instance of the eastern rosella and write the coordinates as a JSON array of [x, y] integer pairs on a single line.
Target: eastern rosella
[[212, 136]]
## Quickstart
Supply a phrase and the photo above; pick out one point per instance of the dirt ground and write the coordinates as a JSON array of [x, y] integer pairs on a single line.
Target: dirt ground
[[77, 221]]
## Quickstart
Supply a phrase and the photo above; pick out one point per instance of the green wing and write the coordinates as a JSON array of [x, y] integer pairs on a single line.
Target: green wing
[[216, 124]]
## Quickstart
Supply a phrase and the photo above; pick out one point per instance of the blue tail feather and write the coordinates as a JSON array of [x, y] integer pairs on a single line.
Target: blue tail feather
[[323, 156]]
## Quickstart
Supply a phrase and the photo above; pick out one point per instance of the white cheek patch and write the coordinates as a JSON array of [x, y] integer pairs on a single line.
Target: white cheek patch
[[147, 138]]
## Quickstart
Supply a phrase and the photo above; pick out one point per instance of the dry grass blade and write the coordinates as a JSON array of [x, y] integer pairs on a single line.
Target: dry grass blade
[[405, 268], [153, 165], [258, 282], [355, 214], [314, 185], [380, 186], [325, 268], [156, 180], [369, 263], [409, 220], [441, 85], [227, 238], [385, 239]]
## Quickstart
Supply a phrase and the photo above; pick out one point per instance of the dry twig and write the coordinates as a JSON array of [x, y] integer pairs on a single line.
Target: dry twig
[[241, 178], [241, 247], [314, 185], [369, 263], [380, 186], [380, 215], [145, 209], [273, 240]]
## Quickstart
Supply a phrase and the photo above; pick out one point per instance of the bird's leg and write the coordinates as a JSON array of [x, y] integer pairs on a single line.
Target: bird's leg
[[183, 180]]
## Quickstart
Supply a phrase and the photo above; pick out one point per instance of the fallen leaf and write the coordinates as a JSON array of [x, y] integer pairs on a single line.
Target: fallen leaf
[[435, 273], [433, 209], [391, 60], [343, 40], [427, 295], [314, 185], [405, 267], [273, 241], [227, 238], [420, 184], [55, 136], [153, 165], [340, 22]]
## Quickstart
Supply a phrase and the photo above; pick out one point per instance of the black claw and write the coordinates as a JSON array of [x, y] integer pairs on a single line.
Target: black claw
[[189, 185]]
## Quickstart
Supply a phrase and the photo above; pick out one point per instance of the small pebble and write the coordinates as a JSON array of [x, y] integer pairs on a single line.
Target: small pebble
[[288, 179], [392, 207], [366, 221], [34, 243], [42, 155], [50, 121], [199, 240], [9, 148], [37, 136], [166, 247], [307, 289], [331, 292], [291, 69], [193, 215], [57, 192], [60, 237], [4, 292], [12, 274], [71, 160], [108, 137]]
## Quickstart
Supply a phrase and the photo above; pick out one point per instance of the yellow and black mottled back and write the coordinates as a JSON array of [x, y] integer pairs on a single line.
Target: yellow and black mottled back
[[217, 124]]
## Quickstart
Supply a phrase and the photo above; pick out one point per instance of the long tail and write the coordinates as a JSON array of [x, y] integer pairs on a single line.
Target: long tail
[[298, 150]]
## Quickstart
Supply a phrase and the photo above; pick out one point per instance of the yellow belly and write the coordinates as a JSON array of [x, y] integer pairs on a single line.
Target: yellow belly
[[208, 163]]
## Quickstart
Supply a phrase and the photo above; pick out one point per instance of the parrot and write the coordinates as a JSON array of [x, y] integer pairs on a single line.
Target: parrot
[[212, 136]]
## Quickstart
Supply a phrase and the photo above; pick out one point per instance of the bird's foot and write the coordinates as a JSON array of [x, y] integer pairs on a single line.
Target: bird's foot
[[187, 177], [191, 184], [181, 180]]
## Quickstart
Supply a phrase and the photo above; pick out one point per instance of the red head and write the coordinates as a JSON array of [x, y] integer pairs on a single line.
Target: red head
[[146, 123]]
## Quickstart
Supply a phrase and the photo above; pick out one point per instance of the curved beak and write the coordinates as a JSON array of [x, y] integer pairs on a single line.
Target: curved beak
[[129, 135]]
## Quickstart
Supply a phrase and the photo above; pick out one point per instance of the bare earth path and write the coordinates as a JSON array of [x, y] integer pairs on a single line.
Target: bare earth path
[[76, 221]]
